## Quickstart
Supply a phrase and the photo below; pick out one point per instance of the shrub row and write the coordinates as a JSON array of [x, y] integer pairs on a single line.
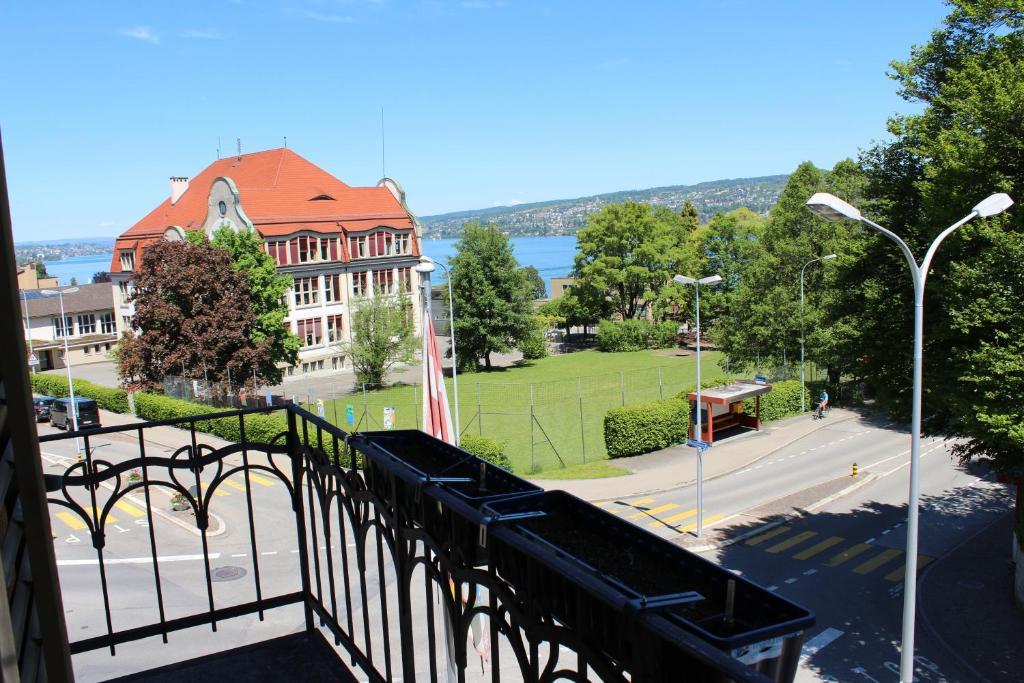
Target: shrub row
[[646, 427], [114, 400], [486, 448], [635, 335]]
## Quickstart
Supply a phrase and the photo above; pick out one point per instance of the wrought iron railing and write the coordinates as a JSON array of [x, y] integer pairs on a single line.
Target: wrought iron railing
[[395, 572]]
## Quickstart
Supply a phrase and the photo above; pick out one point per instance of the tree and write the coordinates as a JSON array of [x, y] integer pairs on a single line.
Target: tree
[[100, 277], [194, 315], [729, 243], [381, 337], [267, 289], [536, 282], [128, 361], [41, 269], [74, 281], [493, 302], [627, 254]]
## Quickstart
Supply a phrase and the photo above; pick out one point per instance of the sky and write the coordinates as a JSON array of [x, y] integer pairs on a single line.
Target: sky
[[485, 102]]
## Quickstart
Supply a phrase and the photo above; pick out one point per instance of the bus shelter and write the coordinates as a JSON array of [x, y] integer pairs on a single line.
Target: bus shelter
[[722, 408]]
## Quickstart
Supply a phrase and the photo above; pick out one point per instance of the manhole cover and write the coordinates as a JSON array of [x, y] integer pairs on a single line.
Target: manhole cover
[[227, 573], [972, 584]]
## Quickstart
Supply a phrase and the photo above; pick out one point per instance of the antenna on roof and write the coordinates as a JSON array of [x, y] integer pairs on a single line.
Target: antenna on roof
[[218, 147], [238, 142], [383, 173], [286, 142]]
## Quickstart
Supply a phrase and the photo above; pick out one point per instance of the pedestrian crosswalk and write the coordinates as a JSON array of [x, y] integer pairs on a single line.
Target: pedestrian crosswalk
[[63, 517], [810, 548]]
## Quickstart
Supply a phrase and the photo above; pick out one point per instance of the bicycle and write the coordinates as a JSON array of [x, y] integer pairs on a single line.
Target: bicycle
[[817, 413]]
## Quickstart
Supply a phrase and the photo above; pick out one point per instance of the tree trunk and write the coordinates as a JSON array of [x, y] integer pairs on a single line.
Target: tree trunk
[[833, 376], [487, 361]]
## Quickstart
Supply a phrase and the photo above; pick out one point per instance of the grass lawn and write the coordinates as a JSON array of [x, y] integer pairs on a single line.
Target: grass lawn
[[569, 393]]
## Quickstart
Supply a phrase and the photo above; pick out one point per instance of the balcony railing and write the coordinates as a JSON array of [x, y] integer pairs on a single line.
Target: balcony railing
[[392, 563]]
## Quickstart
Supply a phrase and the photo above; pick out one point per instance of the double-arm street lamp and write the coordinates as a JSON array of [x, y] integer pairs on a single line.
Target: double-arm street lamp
[[66, 330], [803, 388], [426, 266], [709, 280], [832, 208]]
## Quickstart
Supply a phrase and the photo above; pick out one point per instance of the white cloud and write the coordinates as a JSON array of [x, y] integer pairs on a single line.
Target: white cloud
[[508, 202], [143, 33], [202, 35], [327, 18]]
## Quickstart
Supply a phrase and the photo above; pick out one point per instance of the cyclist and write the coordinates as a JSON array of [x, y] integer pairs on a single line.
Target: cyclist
[[822, 402]]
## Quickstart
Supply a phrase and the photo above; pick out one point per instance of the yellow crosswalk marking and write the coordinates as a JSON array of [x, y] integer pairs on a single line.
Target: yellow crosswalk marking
[[791, 541], [848, 554], [708, 521], [653, 511], [262, 481], [604, 503], [234, 484], [129, 508], [71, 519], [111, 519], [758, 540], [818, 548], [897, 575], [877, 561], [218, 491], [678, 517], [619, 509]]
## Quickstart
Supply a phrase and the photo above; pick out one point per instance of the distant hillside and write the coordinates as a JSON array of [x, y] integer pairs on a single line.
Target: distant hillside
[[566, 216]]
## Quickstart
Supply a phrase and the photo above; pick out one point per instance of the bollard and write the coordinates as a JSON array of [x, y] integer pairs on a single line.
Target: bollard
[[854, 473]]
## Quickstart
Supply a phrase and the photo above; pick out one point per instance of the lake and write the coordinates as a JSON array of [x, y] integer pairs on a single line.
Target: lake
[[551, 256]]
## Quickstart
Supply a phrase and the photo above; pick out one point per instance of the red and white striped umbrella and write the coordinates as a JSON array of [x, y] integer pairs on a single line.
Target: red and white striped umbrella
[[437, 417]]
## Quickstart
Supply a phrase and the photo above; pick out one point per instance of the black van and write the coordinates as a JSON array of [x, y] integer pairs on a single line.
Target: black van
[[88, 413]]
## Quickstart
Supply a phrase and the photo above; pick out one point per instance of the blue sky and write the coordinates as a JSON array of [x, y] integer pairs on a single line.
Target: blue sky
[[486, 102]]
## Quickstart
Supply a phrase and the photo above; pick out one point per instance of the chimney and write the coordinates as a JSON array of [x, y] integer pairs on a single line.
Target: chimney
[[178, 187]]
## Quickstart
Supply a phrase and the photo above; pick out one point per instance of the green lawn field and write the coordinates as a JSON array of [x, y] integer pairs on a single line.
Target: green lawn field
[[549, 413]]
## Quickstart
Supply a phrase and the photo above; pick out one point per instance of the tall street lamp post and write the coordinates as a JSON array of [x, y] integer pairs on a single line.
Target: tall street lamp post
[[451, 334], [803, 387], [28, 332], [832, 208], [701, 445], [66, 329]]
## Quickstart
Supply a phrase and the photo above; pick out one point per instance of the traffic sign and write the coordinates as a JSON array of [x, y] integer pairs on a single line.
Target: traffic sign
[[694, 443], [32, 360]]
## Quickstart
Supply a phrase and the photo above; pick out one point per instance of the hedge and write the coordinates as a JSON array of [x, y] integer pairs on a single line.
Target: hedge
[[114, 400], [635, 335], [782, 401], [486, 448]]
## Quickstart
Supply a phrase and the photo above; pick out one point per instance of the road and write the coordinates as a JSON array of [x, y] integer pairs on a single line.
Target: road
[[844, 561]]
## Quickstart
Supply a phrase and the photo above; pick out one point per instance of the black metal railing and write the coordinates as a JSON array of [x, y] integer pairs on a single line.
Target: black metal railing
[[391, 542]]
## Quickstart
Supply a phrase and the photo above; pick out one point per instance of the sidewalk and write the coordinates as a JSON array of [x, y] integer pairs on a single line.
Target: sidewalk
[[966, 602], [676, 466]]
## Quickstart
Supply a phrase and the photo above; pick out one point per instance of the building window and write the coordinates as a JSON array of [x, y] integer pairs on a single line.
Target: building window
[[405, 278], [332, 288], [106, 347], [126, 320], [87, 324], [307, 293], [384, 281], [325, 250], [126, 290], [359, 284], [86, 349], [334, 328], [107, 324], [278, 251], [402, 244], [357, 245], [310, 332], [128, 259], [63, 328]]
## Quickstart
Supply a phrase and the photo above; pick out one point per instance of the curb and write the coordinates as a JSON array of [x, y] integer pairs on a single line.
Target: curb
[[715, 545]]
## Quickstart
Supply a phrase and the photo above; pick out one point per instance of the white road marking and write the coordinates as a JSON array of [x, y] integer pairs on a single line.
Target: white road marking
[[870, 540], [790, 581], [772, 588], [136, 560], [818, 643], [240, 555], [269, 552], [809, 572]]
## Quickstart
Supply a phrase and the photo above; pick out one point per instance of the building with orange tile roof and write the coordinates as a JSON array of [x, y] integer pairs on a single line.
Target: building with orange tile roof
[[338, 243]]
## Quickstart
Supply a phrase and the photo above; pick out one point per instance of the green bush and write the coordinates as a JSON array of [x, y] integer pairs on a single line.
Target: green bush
[[645, 427], [535, 346], [782, 401], [635, 335], [488, 449], [107, 398]]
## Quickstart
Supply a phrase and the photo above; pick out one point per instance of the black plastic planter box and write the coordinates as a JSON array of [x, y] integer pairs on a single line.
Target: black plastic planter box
[[424, 477], [573, 552]]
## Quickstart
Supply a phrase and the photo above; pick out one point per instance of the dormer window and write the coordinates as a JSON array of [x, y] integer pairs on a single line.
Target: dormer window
[[127, 259], [322, 198]]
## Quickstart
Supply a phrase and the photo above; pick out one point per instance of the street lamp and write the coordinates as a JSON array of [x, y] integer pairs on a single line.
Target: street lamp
[[59, 293], [803, 388], [701, 446], [451, 332], [28, 331], [832, 208]]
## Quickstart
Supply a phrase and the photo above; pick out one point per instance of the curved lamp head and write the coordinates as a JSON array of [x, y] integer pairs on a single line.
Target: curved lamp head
[[832, 208], [58, 292], [993, 205], [683, 280], [426, 265], [710, 280], [829, 257]]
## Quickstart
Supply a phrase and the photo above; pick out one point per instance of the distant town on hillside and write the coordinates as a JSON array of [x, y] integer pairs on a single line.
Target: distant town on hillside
[[60, 249], [566, 216]]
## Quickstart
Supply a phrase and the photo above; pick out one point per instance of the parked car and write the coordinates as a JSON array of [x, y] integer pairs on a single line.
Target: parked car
[[42, 407], [86, 408]]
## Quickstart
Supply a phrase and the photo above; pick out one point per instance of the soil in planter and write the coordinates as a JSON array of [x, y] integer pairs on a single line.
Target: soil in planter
[[639, 569]]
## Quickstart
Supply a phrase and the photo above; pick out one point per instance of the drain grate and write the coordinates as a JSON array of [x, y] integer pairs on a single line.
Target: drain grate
[[227, 573]]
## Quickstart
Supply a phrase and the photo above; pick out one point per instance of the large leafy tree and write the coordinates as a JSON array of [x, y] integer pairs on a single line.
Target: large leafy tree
[[627, 255], [729, 243], [537, 287], [194, 314], [381, 337], [965, 144], [267, 289], [493, 300]]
